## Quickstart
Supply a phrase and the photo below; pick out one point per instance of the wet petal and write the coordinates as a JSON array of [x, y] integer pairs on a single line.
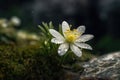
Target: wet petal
[[56, 34], [65, 27], [81, 29], [63, 48], [76, 50], [85, 38], [83, 45], [57, 41]]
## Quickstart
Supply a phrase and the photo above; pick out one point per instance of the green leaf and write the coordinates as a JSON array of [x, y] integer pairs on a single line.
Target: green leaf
[[60, 29], [51, 25], [45, 26], [42, 29]]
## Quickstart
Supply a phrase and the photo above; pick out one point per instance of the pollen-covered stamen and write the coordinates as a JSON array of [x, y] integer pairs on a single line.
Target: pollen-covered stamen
[[71, 35]]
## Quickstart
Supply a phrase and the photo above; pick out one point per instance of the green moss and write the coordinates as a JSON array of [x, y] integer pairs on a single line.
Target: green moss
[[21, 60], [31, 62], [27, 63]]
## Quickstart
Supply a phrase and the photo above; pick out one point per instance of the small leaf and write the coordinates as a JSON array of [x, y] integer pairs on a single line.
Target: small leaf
[[60, 29], [45, 26], [51, 25], [42, 29]]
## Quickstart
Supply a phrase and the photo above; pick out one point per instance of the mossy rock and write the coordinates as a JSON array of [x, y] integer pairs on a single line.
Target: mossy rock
[[27, 63], [33, 62]]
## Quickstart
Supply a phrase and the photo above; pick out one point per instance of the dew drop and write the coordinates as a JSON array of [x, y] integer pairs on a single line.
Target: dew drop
[[57, 41], [62, 51]]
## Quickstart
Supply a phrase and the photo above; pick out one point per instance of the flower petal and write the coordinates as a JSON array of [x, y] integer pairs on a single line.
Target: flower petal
[[76, 50], [63, 48], [81, 29], [83, 45], [56, 34], [85, 38], [57, 41], [65, 27]]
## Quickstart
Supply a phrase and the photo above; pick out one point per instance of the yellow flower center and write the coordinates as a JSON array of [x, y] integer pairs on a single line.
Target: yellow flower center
[[71, 35]]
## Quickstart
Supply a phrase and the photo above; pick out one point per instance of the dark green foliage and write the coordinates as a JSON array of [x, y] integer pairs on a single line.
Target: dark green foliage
[[23, 61], [27, 63], [108, 44], [33, 63]]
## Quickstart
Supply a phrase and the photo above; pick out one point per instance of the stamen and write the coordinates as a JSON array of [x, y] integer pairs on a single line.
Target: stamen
[[71, 35]]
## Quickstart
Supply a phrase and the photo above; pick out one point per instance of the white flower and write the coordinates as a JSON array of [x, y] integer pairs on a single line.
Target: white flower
[[3, 23], [25, 35], [15, 20], [72, 39]]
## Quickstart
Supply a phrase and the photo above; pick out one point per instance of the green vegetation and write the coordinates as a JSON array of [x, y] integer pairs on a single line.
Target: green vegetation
[[38, 61]]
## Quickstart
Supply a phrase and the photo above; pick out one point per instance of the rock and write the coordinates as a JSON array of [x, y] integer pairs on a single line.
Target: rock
[[69, 75], [106, 66]]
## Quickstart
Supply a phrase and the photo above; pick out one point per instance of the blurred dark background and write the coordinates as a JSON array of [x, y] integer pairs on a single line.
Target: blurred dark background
[[101, 17]]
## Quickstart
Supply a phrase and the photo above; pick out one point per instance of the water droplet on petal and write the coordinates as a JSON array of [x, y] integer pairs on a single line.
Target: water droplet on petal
[[57, 41], [63, 49]]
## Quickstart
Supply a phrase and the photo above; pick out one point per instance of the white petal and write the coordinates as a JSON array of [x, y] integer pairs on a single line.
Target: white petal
[[57, 41], [85, 38], [63, 48], [65, 26], [81, 29], [76, 50], [56, 34], [83, 45]]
